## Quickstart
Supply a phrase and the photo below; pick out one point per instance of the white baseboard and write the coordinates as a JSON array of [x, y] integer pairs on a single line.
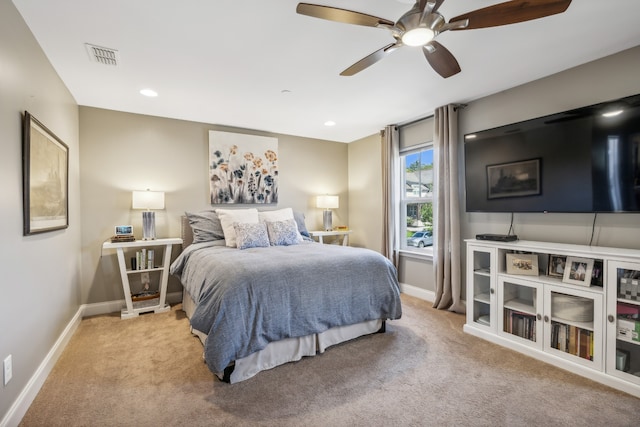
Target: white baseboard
[[30, 391], [116, 306], [417, 292]]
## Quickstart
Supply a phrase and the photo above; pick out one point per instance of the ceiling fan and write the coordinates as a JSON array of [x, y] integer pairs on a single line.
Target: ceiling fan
[[422, 24]]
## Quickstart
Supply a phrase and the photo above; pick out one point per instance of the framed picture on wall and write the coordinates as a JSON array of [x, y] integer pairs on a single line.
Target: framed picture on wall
[[514, 179], [45, 178], [243, 169]]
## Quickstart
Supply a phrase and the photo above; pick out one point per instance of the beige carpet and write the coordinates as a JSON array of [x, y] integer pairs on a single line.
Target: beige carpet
[[424, 371]]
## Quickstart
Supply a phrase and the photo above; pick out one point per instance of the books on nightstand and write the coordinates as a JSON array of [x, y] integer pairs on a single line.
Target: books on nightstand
[[145, 259], [123, 238]]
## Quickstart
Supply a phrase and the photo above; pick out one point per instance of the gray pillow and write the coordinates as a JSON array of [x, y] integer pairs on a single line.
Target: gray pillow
[[251, 235], [206, 226], [302, 227]]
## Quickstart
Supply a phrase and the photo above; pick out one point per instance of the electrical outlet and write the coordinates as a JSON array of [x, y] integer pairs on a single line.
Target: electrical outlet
[[8, 370]]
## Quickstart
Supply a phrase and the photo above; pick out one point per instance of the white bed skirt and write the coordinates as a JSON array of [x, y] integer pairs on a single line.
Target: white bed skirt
[[287, 350]]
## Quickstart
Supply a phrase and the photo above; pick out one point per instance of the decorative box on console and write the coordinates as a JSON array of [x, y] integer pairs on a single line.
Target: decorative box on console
[[629, 289], [628, 330]]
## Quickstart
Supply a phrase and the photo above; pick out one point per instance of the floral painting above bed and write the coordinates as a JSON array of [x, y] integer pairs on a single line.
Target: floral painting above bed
[[243, 169]]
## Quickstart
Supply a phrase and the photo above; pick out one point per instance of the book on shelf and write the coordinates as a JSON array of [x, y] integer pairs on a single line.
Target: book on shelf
[[520, 324], [151, 258], [572, 339], [145, 259]]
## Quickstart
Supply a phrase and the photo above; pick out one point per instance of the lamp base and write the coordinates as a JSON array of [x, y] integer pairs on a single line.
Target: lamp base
[[148, 225], [326, 220]]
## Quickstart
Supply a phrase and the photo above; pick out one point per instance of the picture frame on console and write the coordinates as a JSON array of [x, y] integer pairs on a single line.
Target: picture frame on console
[[597, 273], [578, 271], [524, 264], [556, 266], [515, 179]]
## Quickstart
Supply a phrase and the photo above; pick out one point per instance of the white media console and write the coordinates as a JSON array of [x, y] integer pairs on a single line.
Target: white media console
[[586, 324]]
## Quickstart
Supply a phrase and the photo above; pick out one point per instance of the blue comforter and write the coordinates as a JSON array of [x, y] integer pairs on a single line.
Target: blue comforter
[[249, 298]]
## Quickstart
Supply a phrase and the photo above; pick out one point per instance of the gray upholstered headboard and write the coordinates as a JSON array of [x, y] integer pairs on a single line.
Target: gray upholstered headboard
[[186, 231]]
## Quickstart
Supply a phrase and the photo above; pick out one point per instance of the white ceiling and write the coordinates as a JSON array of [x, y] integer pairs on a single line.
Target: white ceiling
[[228, 62]]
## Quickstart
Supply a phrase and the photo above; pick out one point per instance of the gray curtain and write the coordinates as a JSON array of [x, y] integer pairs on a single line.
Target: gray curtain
[[390, 201], [447, 260]]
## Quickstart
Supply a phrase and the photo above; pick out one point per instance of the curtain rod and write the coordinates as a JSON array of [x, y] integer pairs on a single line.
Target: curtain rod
[[455, 107], [414, 121]]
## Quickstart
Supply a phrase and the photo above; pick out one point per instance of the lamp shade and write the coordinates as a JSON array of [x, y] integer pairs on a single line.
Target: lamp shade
[[327, 202], [147, 200]]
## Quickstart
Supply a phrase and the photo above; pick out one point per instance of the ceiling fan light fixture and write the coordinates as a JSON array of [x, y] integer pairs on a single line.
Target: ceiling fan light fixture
[[418, 36]]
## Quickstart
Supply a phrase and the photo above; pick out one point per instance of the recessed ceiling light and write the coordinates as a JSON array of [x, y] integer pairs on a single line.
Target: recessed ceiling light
[[329, 123], [149, 92], [470, 136]]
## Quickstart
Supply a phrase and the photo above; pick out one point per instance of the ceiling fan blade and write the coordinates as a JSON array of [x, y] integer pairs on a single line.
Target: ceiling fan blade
[[341, 15], [370, 59], [511, 12], [440, 59]]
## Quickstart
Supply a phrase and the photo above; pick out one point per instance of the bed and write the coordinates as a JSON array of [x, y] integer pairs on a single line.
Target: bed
[[258, 306]]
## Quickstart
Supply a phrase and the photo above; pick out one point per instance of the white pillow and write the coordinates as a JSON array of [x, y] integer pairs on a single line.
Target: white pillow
[[229, 216], [280, 215], [277, 215]]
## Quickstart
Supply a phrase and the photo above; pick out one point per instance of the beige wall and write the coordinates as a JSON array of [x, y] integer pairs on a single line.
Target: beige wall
[[122, 152], [40, 273], [606, 79], [365, 192]]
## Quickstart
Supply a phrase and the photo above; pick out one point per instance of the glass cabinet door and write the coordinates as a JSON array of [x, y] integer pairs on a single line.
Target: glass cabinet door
[[481, 287], [520, 305], [573, 325], [623, 321]]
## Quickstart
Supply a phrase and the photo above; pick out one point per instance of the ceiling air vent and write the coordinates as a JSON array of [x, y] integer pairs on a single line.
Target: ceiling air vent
[[103, 55]]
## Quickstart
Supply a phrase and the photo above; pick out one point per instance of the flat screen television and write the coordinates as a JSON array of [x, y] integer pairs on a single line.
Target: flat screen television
[[582, 160]]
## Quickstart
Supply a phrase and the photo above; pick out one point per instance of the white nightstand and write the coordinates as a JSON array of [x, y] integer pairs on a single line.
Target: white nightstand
[[321, 234], [155, 304]]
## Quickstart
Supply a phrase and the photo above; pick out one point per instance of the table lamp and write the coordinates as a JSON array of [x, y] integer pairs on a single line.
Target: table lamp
[[148, 200], [327, 203]]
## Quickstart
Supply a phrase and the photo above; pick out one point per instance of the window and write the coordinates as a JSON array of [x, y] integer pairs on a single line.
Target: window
[[416, 199]]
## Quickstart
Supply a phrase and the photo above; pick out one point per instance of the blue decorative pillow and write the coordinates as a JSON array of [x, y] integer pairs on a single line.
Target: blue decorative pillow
[[283, 233], [251, 235]]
